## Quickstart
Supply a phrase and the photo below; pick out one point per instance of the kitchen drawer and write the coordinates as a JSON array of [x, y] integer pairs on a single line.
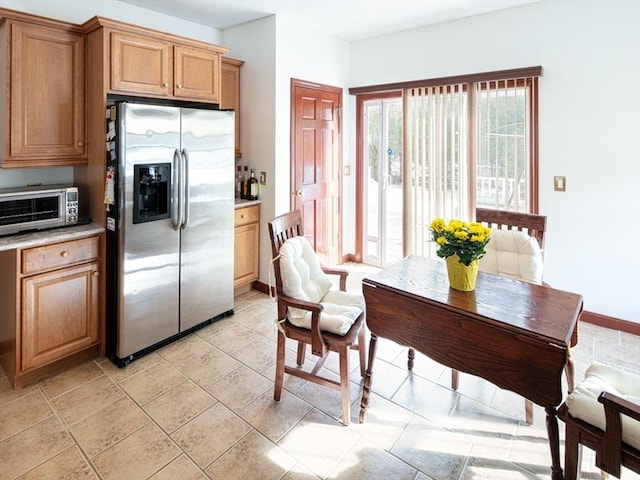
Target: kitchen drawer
[[247, 215], [49, 257]]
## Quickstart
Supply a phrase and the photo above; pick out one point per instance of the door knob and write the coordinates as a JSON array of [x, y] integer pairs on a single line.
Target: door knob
[[298, 193]]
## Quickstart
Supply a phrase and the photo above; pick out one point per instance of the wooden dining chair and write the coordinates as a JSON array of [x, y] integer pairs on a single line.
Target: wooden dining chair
[[311, 312], [603, 414], [516, 251]]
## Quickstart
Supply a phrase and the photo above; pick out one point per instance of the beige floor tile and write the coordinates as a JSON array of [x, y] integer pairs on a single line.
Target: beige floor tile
[[67, 465], [210, 367], [213, 328], [182, 468], [159, 378], [184, 350], [367, 460], [433, 450], [179, 405], [240, 388], [483, 468], [425, 398], [78, 404], [319, 443], [252, 458], [233, 338], [258, 355], [255, 313], [71, 378], [29, 448], [300, 472], [210, 434], [9, 394], [108, 426], [23, 413], [274, 419], [138, 456], [135, 367], [327, 399]]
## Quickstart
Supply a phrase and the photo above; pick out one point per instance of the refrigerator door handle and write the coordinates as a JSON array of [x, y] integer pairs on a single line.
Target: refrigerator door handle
[[176, 204], [185, 191]]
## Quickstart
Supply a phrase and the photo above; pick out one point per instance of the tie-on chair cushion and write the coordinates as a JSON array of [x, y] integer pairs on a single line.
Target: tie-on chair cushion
[[303, 279], [583, 401], [513, 254]]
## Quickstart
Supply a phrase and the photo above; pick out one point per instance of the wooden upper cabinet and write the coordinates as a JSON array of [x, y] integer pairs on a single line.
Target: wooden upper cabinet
[[140, 65], [230, 95], [44, 124], [157, 66], [196, 73]]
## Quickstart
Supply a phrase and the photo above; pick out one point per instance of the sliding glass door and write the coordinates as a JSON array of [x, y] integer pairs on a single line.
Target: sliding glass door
[[382, 182]]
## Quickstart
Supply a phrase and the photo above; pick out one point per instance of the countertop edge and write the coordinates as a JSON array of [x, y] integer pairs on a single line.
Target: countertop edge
[[246, 203], [43, 237]]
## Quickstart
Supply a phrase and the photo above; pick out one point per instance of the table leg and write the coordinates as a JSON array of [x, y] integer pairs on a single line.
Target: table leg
[[373, 343], [554, 443]]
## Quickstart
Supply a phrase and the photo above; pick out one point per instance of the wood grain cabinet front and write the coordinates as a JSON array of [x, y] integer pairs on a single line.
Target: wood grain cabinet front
[[230, 93], [51, 311], [247, 243], [146, 65], [43, 110]]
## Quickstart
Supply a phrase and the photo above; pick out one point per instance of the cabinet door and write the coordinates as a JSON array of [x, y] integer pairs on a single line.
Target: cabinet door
[[140, 65], [197, 74], [59, 314], [230, 93], [47, 97], [247, 238]]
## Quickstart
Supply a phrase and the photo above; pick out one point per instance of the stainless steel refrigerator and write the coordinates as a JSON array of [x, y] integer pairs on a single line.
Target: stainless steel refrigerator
[[170, 213]]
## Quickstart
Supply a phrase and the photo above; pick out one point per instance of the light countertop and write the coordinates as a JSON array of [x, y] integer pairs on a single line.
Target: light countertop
[[246, 203], [54, 235]]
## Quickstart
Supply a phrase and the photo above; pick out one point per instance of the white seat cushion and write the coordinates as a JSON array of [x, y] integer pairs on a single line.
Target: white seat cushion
[[514, 254], [583, 401], [303, 279]]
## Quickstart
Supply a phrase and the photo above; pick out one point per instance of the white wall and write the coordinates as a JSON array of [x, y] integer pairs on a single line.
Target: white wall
[[589, 125], [277, 49]]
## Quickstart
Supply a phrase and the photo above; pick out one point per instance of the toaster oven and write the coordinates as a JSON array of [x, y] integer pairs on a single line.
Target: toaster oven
[[36, 208]]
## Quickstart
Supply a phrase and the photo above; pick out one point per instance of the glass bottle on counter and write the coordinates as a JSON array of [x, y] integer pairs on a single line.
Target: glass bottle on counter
[[253, 186], [245, 184], [239, 182]]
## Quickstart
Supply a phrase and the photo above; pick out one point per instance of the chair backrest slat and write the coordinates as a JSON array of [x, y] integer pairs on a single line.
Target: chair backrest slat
[[532, 224]]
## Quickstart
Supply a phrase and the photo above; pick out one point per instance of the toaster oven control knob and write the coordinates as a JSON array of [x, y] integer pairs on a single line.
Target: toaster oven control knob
[[64, 254]]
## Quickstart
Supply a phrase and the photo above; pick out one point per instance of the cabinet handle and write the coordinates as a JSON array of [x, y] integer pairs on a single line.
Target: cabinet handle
[[96, 274], [243, 216], [80, 144], [165, 84], [64, 254], [179, 85]]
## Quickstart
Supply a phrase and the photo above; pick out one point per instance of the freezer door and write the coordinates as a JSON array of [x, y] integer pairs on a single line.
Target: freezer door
[[206, 278], [149, 286]]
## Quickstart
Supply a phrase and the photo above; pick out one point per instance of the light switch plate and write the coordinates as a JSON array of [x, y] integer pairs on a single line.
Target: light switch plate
[[560, 183], [263, 178]]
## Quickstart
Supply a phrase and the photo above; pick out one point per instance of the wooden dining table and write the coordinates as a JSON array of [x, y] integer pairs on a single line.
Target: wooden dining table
[[515, 334]]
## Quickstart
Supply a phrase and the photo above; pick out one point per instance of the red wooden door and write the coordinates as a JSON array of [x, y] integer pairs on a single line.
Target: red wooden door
[[316, 165]]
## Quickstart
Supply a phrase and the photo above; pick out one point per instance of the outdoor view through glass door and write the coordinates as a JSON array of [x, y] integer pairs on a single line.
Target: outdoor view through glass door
[[382, 185]]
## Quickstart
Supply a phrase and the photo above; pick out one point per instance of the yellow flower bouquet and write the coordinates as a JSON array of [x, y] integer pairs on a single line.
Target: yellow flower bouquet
[[466, 240]]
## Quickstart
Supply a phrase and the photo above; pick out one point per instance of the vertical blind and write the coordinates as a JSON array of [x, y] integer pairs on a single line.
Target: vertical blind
[[466, 145]]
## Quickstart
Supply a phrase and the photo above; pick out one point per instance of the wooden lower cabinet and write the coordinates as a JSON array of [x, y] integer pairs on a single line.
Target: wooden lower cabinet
[[247, 245], [51, 315]]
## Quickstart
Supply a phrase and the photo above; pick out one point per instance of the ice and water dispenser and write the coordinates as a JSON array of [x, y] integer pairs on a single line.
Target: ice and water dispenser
[[151, 192]]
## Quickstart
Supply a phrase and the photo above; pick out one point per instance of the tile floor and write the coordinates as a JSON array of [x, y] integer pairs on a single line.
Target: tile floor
[[203, 408]]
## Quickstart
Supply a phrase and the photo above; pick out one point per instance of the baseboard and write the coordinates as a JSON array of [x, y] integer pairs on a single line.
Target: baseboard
[[611, 322]]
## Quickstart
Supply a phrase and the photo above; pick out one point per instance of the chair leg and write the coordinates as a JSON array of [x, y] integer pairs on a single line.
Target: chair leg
[[411, 356], [362, 352], [280, 357], [302, 351], [571, 453], [528, 411], [454, 379], [344, 386]]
